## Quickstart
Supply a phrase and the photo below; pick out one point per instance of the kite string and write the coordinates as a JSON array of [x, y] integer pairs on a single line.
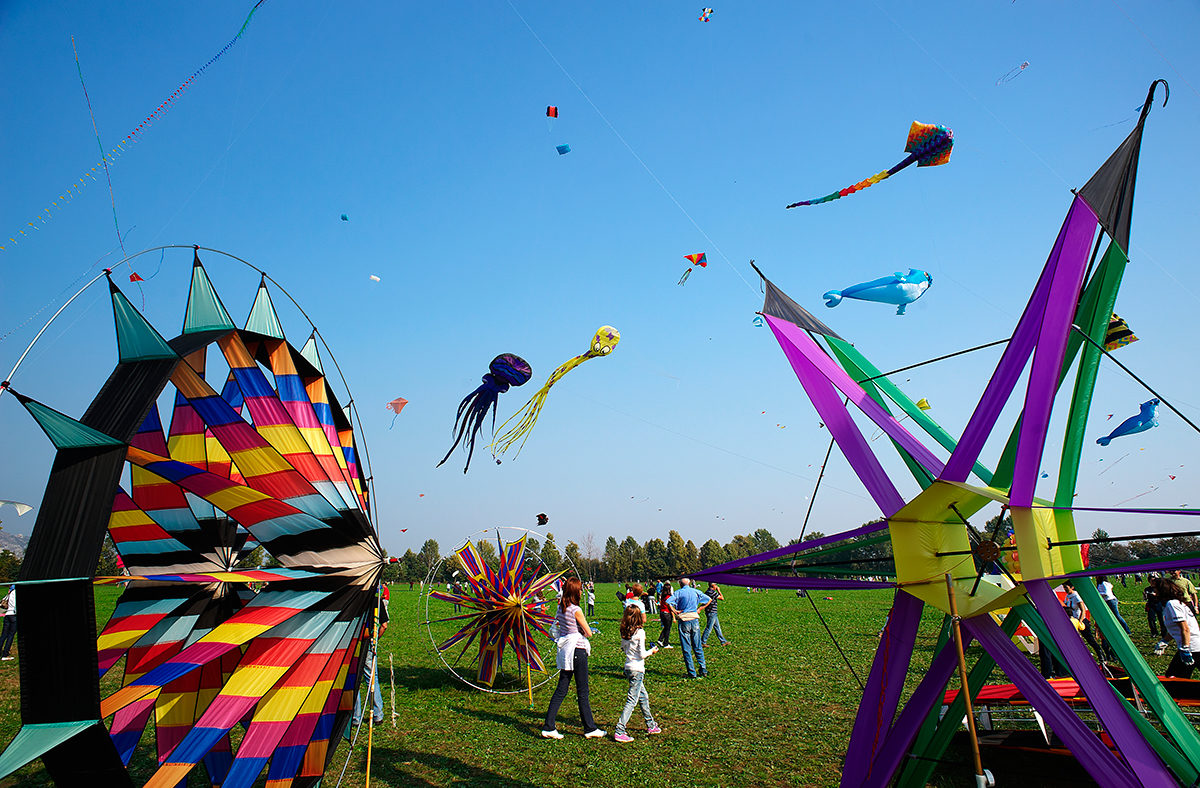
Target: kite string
[[1133, 375], [836, 645], [629, 147], [1154, 47], [713, 445], [103, 156], [971, 95], [133, 136]]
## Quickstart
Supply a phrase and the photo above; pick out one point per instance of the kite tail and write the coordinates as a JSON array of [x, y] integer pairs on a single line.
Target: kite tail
[[472, 412], [874, 179], [529, 414], [1103, 441], [832, 298]]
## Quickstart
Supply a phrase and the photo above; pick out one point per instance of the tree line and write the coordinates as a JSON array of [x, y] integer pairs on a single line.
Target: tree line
[[622, 560], [1107, 553]]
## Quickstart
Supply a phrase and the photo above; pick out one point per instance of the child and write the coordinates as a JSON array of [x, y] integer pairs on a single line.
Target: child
[[591, 600], [633, 643]]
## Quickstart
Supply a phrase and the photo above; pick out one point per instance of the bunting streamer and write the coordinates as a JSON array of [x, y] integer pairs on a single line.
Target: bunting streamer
[[72, 191]]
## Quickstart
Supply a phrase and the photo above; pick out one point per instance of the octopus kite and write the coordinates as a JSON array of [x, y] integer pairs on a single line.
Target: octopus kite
[[603, 343], [928, 146], [505, 371]]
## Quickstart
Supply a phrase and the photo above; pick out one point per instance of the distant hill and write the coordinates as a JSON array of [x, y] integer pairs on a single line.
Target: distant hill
[[14, 534]]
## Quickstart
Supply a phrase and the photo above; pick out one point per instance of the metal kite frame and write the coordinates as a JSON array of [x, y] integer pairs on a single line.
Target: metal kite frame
[[358, 432]]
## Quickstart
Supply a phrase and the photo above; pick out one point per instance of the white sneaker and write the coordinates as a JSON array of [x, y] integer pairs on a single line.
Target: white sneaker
[[551, 735], [668, 646], [6, 659], [596, 734]]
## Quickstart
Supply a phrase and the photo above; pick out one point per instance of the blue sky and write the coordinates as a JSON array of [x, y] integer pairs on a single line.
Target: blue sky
[[426, 125]]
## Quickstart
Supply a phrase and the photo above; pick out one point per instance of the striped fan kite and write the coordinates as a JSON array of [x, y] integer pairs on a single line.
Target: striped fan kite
[[199, 643]]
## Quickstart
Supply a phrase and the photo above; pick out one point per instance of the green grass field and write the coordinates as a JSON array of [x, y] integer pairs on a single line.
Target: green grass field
[[777, 709]]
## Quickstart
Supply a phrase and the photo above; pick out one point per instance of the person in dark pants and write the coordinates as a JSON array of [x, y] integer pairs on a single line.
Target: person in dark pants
[[1155, 600], [665, 617], [572, 630], [10, 623]]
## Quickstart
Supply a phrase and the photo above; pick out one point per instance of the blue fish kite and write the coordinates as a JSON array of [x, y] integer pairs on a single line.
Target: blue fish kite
[[1145, 419], [899, 288]]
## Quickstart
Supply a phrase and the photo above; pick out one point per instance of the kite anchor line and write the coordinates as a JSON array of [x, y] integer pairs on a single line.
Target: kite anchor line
[[836, 645], [932, 360], [1133, 375]]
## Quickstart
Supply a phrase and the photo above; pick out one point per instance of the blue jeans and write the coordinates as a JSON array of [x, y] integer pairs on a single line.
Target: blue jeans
[[712, 623], [689, 639], [377, 701], [637, 696], [1112, 603]]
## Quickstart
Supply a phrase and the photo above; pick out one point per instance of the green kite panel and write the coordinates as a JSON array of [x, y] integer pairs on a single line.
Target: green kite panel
[[136, 339], [205, 312], [263, 319]]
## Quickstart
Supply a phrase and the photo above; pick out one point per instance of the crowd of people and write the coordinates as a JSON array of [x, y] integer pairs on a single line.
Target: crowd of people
[[573, 634], [1171, 605]]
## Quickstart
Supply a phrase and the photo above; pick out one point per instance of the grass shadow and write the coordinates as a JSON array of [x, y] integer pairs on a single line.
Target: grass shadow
[[524, 720], [390, 762]]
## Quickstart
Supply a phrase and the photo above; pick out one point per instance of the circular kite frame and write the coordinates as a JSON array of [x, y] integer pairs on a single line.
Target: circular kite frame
[[434, 571]]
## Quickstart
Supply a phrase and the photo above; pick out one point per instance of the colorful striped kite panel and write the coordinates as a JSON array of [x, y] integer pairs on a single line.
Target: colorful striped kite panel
[[266, 611], [272, 418]]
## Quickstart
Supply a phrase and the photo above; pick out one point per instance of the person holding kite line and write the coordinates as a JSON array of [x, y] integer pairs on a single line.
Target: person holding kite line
[[572, 630]]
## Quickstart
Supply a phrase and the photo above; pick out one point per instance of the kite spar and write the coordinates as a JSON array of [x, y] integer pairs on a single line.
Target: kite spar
[[930, 535]]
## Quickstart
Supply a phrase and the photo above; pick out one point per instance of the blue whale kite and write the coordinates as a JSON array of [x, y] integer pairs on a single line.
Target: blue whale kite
[[1145, 419], [899, 288]]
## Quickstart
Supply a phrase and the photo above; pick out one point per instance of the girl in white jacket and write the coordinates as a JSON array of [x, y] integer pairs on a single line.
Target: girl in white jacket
[[633, 643]]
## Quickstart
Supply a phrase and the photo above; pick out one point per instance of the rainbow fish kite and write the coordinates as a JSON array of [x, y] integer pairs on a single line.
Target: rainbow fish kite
[[928, 146]]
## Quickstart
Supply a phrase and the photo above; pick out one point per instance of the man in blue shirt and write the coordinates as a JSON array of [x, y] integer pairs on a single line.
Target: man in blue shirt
[[685, 605]]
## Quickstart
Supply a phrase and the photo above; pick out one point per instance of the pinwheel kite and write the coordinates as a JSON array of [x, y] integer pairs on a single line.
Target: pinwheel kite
[[505, 609], [928, 146]]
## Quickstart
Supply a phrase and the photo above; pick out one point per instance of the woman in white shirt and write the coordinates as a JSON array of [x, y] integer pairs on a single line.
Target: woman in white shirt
[[1181, 623]]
